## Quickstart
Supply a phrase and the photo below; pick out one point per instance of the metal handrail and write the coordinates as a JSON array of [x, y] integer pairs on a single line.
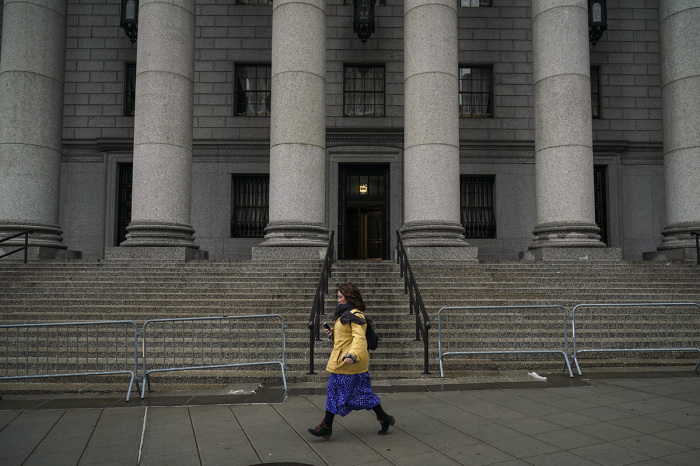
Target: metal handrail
[[26, 234], [319, 302], [416, 301], [697, 245]]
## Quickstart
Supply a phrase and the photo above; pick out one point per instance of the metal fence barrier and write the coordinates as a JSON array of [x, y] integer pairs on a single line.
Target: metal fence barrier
[[212, 343], [635, 327], [33, 351], [502, 330]]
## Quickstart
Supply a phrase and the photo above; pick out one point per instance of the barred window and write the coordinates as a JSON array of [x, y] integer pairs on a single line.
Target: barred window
[[474, 3], [363, 93], [130, 89], [595, 91], [477, 206], [253, 83], [475, 91], [250, 205]]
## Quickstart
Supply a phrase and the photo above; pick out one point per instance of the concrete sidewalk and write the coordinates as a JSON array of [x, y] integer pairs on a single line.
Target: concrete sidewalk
[[602, 419]]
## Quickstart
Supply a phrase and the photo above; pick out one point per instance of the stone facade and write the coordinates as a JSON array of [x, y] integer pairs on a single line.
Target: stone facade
[[648, 197]]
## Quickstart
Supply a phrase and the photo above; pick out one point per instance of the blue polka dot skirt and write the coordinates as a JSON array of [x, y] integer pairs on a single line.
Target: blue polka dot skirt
[[350, 392]]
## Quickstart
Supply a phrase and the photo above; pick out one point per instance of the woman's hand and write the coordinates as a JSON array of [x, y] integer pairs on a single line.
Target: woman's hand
[[349, 360]]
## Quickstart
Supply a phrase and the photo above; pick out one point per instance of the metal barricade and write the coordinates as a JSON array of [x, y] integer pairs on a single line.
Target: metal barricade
[[635, 327], [502, 330], [212, 343], [33, 351]]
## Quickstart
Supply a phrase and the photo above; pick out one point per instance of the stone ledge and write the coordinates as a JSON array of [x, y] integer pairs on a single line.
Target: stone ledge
[[442, 253], [671, 255], [572, 254], [155, 253], [289, 253]]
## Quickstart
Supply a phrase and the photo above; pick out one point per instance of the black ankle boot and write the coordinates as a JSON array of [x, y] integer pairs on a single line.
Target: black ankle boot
[[387, 422], [322, 430]]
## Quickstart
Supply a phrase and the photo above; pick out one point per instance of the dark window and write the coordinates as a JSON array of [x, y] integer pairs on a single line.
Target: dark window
[[253, 90], [475, 91], [130, 89], [250, 205], [253, 2], [363, 91], [601, 200], [125, 183], [474, 3], [477, 206], [595, 91]]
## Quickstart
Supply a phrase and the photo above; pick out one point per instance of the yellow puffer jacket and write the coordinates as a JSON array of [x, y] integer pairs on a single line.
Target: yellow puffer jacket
[[349, 338]]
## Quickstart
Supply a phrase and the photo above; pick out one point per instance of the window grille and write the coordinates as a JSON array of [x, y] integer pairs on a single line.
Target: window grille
[[595, 91], [130, 89], [363, 91], [250, 206], [253, 83], [475, 91], [477, 206]]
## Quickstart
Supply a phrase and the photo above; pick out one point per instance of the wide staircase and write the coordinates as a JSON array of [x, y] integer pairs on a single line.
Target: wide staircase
[[63, 291]]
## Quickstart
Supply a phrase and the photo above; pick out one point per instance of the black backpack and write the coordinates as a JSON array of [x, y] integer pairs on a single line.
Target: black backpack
[[371, 336]]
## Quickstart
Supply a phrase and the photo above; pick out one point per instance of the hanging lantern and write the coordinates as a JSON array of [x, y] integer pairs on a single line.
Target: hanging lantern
[[130, 18], [363, 18], [597, 20]]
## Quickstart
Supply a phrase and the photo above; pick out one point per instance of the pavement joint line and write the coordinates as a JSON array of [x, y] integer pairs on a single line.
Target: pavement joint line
[[143, 434]]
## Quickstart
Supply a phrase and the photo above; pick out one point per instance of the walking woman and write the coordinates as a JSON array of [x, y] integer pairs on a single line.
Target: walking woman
[[349, 385]]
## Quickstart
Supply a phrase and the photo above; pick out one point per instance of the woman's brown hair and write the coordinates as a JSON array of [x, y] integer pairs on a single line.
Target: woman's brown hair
[[352, 295]]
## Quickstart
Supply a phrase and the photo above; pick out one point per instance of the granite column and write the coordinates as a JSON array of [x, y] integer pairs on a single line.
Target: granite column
[[566, 227], [431, 226], [297, 227], [679, 28], [31, 122], [162, 183]]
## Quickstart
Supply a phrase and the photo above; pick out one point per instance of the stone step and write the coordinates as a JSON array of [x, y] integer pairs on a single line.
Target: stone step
[[76, 291]]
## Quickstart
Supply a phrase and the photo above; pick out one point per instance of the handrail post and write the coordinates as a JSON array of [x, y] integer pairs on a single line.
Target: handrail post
[[697, 246], [26, 245]]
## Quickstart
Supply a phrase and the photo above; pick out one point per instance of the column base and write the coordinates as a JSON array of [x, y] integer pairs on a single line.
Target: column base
[[43, 234], [566, 235], [571, 254], [678, 244], [155, 253], [45, 242], [433, 234], [295, 235], [432, 240], [148, 234]]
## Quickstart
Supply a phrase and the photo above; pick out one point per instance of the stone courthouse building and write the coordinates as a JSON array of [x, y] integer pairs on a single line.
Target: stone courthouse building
[[239, 129]]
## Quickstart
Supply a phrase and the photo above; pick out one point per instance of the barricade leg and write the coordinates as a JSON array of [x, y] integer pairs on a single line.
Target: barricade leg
[[568, 366]]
